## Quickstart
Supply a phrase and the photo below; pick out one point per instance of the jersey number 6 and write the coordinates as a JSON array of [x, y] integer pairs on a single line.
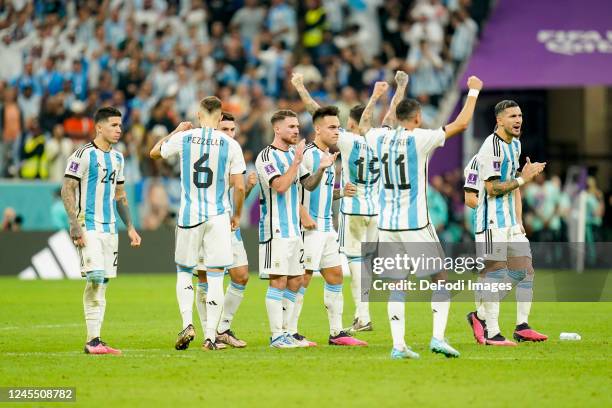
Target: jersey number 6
[[198, 167]]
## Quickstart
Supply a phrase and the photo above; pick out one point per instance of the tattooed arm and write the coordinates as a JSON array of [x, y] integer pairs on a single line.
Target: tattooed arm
[[69, 198]]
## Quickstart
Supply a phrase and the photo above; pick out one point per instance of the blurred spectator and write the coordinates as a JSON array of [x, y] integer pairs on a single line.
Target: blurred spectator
[[464, 37], [58, 149], [29, 102], [595, 208], [156, 209], [33, 160], [77, 125], [12, 125], [11, 221], [546, 206]]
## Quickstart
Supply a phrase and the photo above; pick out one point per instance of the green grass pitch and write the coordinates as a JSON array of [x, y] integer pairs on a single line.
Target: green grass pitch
[[42, 335]]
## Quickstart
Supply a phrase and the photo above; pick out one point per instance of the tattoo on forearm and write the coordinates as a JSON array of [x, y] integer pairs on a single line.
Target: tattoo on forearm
[[503, 187], [311, 182], [69, 199], [124, 211], [337, 193]]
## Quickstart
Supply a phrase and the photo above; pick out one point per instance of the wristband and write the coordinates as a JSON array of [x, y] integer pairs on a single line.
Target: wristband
[[473, 92], [520, 181]]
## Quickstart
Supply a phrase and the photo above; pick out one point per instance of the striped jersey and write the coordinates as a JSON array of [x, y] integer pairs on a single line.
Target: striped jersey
[[403, 155], [497, 159], [473, 182], [360, 168], [279, 215], [98, 173], [207, 158], [318, 202]]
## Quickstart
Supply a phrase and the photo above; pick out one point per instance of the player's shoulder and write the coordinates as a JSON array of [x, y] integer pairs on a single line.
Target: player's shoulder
[[116, 153], [472, 164], [490, 145], [264, 155], [83, 151]]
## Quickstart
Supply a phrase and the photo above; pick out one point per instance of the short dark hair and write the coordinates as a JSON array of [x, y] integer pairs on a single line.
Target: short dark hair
[[227, 116], [407, 109], [210, 104], [356, 112], [106, 112], [503, 105], [323, 112], [281, 115]]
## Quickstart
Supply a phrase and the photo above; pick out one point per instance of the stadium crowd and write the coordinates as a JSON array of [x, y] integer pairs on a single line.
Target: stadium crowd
[[154, 60]]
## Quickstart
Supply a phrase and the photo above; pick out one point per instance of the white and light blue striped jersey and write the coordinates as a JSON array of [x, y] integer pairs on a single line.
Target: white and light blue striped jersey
[[207, 159], [98, 173], [360, 168], [279, 213], [473, 182], [403, 156], [318, 202], [498, 159]]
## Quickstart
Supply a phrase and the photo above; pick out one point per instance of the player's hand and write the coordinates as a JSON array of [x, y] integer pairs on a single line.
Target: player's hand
[[474, 82], [380, 88], [135, 239], [350, 190], [522, 228], [531, 170], [299, 151], [183, 126], [328, 160], [76, 233], [401, 79], [297, 80], [308, 223], [251, 180], [235, 222]]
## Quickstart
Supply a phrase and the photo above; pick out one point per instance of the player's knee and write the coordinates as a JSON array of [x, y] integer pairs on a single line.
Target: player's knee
[[95, 277], [241, 279]]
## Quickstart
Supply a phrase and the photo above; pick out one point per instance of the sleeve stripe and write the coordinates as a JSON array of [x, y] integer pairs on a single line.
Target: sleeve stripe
[[72, 177]]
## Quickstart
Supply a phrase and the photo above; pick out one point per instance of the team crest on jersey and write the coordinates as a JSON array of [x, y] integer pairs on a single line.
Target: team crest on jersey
[[472, 177], [269, 168], [74, 167], [496, 165]]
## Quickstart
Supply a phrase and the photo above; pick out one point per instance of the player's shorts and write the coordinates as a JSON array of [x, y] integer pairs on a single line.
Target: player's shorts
[[499, 244], [213, 237], [281, 256], [321, 250], [422, 243], [239, 254], [99, 253], [355, 229]]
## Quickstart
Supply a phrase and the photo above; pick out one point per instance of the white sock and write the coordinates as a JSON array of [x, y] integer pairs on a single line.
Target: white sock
[[214, 303], [440, 305], [334, 302], [184, 294], [491, 301], [396, 311], [289, 298], [524, 297], [274, 306], [102, 302], [233, 297], [292, 324], [91, 306], [480, 309], [362, 308], [202, 290]]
